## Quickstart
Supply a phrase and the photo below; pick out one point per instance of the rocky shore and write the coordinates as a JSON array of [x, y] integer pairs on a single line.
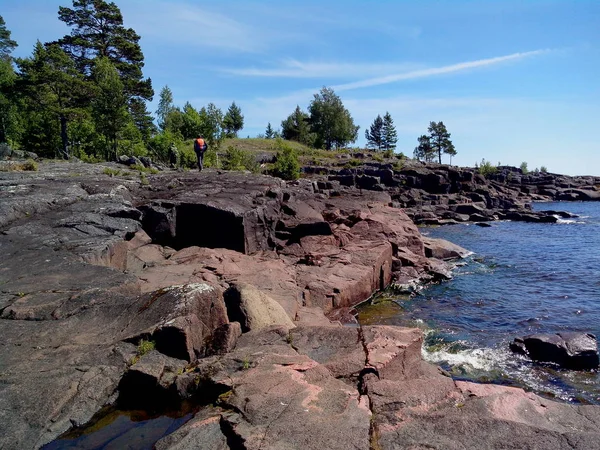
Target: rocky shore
[[242, 283]]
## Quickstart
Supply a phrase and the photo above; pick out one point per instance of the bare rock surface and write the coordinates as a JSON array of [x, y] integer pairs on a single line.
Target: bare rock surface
[[94, 264]]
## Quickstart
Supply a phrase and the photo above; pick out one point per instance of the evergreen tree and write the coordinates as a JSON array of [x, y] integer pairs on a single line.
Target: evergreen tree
[[109, 106], [142, 118], [440, 140], [424, 150], [165, 106], [8, 108], [269, 133], [212, 125], [7, 45], [98, 31], [374, 134], [192, 122], [233, 121], [297, 128], [389, 135], [53, 84], [331, 121]]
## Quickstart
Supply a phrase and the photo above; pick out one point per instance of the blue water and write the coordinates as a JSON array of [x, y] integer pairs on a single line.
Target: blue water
[[523, 278]]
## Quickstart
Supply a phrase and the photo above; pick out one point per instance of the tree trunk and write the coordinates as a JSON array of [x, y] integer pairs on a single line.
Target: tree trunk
[[64, 137], [440, 156]]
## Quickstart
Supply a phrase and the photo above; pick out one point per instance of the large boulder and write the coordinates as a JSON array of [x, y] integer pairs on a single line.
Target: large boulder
[[569, 350], [254, 309], [442, 249]]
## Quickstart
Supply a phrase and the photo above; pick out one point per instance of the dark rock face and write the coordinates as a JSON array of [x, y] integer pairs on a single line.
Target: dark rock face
[[569, 350]]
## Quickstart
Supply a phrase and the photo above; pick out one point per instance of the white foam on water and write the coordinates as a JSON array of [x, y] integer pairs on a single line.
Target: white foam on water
[[485, 359], [569, 221]]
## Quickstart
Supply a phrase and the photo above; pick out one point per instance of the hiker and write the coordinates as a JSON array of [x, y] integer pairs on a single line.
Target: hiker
[[200, 148], [173, 156]]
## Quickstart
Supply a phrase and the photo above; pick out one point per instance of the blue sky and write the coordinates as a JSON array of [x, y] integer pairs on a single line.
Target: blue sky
[[512, 80]]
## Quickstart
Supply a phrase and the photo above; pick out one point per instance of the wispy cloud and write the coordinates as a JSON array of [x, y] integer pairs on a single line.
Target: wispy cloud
[[292, 68], [191, 25], [424, 73]]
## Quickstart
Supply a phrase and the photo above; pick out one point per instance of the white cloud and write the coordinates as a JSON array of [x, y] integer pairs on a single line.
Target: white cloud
[[191, 25], [292, 68], [424, 73]]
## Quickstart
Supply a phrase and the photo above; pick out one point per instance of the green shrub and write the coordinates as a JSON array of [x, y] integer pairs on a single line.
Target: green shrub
[[29, 165], [543, 169], [286, 165], [401, 156], [237, 159], [378, 157], [398, 165], [145, 347], [354, 162], [486, 168], [111, 172], [523, 168], [388, 153]]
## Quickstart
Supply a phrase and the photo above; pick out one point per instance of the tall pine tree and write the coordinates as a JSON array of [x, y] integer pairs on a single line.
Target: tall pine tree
[[424, 150], [269, 133], [109, 106], [389, 135], [7, 45], [8, 110], [98, 31], [53, 84], [296, 127], [233, 121], [374, 134], [440, 140]]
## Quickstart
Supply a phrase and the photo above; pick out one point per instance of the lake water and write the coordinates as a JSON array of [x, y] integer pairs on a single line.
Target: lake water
[[523, 278]]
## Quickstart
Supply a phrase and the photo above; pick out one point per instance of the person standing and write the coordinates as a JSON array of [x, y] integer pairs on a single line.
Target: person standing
[[200, 148]]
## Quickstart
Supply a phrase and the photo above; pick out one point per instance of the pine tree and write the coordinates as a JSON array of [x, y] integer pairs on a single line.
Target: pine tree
[[424, 150], [7, 45], [296, 127], [165, 106], [331, 121], [8, 78], [98, 31], [374, 134], [389, 135], [269, 133], [440, 140], [233, 121], [109, 106], [142, 118], [53, 83]]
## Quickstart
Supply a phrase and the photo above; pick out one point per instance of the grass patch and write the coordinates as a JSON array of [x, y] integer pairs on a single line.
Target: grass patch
[[27, 166], [111, 172], [144, 169]]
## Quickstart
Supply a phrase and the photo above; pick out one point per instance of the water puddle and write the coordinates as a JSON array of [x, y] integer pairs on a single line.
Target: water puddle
[[112, 429]]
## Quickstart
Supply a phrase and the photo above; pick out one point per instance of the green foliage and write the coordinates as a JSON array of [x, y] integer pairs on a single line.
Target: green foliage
[[398, 165], [233, 121], [143, 348], [354, 162], [236, 159], [8, 103], [98, 32], [109, 106], [7, 45], [523, 168], [378, 157], [111, 172], [144, 179], [424, 150], [331, 121], [53, 86], [389, 135], [165, 107], [28, 166], [486, 168], [543, 169], [269, 133], [296, 127], [286, 164], [374, 134], [440, 140], [388, 153]]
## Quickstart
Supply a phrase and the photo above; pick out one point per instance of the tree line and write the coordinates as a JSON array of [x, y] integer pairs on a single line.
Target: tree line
[[85, 95]]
